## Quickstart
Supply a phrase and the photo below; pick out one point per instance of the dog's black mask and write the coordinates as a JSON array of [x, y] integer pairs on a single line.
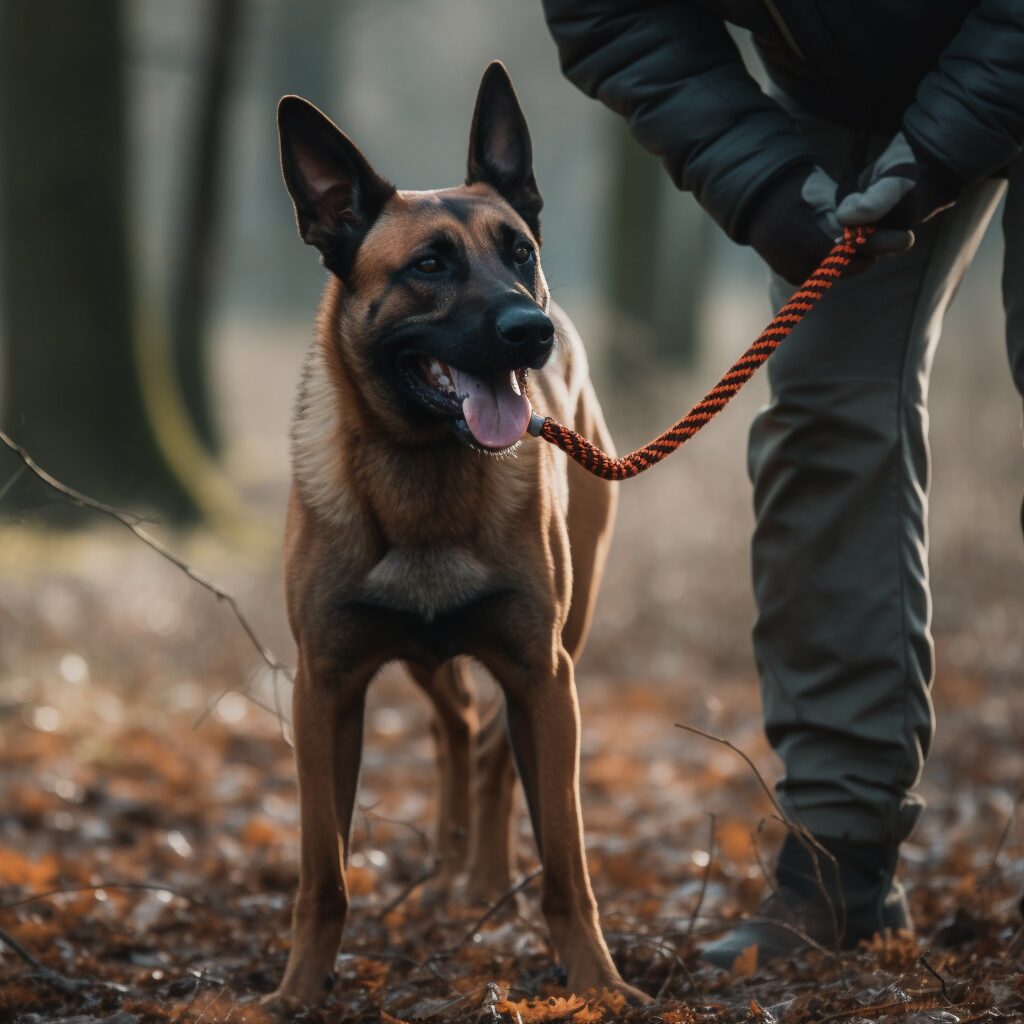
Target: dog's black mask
[[469, 368]]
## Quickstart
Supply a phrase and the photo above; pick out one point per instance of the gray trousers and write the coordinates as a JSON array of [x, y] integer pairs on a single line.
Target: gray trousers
[[839, 460]]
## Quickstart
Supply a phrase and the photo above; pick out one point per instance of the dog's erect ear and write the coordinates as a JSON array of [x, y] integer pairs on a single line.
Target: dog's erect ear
[[337, 194], [500, 153]]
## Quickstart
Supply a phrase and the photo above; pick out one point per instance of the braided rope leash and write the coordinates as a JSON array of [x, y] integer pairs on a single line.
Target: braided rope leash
[[800, 303]]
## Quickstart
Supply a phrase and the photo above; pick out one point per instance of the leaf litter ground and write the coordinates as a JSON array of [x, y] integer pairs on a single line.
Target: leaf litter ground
[[148, 864]]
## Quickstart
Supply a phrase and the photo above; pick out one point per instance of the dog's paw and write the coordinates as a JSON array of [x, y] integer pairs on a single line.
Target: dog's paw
[[280, 1005], [634, 996], [292, 997], [607, 990]]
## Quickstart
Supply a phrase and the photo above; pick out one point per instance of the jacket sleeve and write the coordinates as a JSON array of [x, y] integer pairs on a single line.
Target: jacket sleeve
[[672, 70], [968, 114]]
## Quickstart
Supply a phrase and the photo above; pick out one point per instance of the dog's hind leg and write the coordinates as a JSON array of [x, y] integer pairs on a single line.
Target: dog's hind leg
[[454, 726], [328, 726], [544, 726], [491, 853]]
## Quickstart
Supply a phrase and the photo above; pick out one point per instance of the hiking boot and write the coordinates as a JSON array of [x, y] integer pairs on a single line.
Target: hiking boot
[[830, 912]]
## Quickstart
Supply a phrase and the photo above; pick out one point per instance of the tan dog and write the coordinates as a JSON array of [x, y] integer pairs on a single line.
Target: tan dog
[[407, 539]]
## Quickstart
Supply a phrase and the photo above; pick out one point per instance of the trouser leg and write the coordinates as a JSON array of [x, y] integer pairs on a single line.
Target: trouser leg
[[1013, 280], [839, 460], [1013, 272]]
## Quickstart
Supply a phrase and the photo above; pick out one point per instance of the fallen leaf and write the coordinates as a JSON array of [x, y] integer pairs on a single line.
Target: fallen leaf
[[746, 963]]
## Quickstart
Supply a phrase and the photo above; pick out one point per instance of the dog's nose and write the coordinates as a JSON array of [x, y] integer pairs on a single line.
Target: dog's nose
[[525, 327]]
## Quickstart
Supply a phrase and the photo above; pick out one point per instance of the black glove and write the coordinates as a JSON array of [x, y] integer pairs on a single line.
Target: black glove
[[793, 224], [900, 190]]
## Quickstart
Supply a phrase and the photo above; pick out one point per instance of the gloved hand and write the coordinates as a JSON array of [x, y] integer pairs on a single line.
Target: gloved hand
[[793, 225], [898, 191]]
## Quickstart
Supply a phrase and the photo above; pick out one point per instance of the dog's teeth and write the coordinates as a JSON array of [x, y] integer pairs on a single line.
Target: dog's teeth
[[444, 381], [514, 381]]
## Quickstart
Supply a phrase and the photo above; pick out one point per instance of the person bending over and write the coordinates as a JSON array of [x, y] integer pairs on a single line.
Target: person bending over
[[906, 115]]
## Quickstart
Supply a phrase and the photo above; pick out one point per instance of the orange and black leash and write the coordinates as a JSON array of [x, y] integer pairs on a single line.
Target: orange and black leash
[[800, 303]]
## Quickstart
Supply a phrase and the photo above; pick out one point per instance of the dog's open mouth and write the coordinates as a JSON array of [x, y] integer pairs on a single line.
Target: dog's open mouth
[[491, 407]]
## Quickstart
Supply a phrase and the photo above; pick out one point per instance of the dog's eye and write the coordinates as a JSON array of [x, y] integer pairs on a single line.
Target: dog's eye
[[429, 265], [522, 253]]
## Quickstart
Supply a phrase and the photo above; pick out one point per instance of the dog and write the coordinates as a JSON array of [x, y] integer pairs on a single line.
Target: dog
[[413, 535]]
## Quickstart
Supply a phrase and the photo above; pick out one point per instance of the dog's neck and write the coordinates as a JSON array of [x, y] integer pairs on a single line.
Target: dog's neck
[[347, 464]]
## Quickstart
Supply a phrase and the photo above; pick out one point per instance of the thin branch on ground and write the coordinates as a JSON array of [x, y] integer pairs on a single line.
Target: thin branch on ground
[[789, 926], [369, 813], [803, 835], [131, 522], [799, 933], [704, 879], [993, 869], [923, 961], [880, 1009], [8, 940], [667, 950], [813, 848], [484, 918], [407, 890], [425, 965], [768, 876], [129, 886], [59, 981], [206, 1009]]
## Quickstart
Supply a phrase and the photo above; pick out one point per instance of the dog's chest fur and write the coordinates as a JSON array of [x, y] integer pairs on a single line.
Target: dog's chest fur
[[426, 581], [423, 562]]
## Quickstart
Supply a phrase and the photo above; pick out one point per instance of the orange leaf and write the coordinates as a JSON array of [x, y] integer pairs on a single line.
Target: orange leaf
[[614, 1001], [36, 875], [746, 963], [542, 1011], [259, 831], [734, 841]]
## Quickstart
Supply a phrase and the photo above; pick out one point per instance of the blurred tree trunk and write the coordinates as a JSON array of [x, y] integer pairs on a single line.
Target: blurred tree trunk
[[202, 209], [305, 54], [657, 266], [70, 383]]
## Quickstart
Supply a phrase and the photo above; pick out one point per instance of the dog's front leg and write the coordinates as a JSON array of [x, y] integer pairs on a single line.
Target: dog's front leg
[[328, 728], [544, 726]]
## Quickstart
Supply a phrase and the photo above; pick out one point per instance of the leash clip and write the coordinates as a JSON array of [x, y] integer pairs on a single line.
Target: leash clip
[[536, 424]]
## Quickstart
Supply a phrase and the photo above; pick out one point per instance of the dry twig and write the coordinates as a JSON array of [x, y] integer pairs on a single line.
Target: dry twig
[[484, 918], [131, 522], [807, 840], [923, 961], [407, 890], [8, 940], [704, 880], [993, 869], [130, 886]]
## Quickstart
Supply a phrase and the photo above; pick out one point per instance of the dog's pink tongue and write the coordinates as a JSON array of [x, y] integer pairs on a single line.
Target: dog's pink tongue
[[496, 415]]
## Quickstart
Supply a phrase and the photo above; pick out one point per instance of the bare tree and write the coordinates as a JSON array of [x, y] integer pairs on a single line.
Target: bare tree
[[70, 388], [201, 219], [657, 268]]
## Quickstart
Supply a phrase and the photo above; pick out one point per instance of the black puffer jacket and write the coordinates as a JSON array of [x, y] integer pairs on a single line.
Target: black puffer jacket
[[949, 72]]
